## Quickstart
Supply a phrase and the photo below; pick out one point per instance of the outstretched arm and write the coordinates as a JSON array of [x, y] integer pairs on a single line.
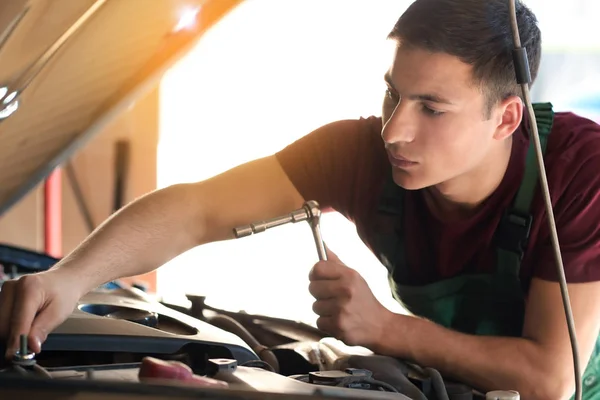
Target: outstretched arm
[[140, 238]]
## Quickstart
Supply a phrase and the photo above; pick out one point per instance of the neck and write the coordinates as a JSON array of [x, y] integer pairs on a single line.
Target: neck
[[462, 196]]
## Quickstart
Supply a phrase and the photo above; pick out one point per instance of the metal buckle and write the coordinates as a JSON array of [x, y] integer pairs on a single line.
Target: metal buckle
[[513, 231]]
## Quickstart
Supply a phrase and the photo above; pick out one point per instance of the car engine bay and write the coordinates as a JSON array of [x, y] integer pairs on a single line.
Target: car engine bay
[[115, 327]]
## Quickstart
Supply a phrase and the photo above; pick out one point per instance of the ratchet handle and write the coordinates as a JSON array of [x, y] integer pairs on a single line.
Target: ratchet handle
[[316, 231], [261, 226], [310, 212]]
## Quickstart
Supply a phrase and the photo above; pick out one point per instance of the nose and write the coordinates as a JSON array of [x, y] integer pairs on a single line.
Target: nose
[[400, 126]]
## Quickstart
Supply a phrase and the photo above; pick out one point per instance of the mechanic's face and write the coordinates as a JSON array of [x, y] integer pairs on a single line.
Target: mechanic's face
[[435, 125]]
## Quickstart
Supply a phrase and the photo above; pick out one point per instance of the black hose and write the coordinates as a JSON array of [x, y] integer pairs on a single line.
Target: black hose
[[438, 384], [231, 325]]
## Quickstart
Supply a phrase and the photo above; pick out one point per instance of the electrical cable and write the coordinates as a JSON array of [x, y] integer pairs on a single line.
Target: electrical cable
[[524, 79]]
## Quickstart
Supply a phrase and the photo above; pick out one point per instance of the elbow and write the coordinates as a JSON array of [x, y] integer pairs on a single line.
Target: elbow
[[546, 374], [564, 388], [559, 385]]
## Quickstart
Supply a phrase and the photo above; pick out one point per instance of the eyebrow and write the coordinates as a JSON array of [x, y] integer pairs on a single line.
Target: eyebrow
[[425, 97]]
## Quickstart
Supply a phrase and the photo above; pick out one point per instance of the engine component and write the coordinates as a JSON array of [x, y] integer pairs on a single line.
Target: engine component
[[125, 325], [350, 378], [340, 384], [23, 356], [235, 327], [502, 395], [111, 332], [24, 362]]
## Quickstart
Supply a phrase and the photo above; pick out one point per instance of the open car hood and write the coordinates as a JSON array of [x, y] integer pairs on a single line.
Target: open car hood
[[68, 67]]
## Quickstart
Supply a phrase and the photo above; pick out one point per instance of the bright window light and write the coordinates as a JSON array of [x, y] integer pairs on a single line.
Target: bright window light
[[266, 75], [10, 97], [188, 19]]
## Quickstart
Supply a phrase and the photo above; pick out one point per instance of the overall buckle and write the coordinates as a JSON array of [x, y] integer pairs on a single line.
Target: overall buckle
[[513, 231]]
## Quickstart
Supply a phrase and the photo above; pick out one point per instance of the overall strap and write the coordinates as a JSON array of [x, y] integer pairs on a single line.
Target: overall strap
[[390, 241], [514, 228]]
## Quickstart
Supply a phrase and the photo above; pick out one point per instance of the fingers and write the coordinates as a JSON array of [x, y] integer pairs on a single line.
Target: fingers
[[327, 324], [34, 305], [44, 323], [6, 305], [333, 289], [327, 308], [27, 300], [327, 270]]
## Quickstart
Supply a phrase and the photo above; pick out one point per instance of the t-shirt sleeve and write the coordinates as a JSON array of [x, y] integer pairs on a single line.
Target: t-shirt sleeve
[[335, 164], [577, 215]]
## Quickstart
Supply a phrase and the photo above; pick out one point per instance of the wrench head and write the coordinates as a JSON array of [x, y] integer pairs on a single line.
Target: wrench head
[[313, 209]]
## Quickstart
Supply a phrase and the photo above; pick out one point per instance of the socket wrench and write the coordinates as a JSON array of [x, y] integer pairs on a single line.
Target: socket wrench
[[309, 212]]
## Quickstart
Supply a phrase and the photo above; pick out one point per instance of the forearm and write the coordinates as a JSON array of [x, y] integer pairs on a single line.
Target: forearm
[[484, 362], [138, 239]]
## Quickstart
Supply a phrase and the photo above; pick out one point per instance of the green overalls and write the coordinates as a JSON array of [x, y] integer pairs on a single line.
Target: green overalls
[[482, 304]]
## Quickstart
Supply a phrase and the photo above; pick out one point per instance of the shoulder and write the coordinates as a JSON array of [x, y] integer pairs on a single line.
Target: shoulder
[[573, 135], [346, 130], [339, 146], [334, 162], [573, 155], [572, 163]]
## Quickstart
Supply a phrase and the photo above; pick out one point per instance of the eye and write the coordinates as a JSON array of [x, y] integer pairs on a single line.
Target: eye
[[431, 112]]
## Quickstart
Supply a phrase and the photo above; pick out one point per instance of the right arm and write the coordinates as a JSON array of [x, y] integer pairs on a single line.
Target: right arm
[[163, 224], [143, 236], [333, 165]]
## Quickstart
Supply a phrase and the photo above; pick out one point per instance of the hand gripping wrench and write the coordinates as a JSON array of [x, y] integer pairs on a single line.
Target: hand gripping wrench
[[309, 212]]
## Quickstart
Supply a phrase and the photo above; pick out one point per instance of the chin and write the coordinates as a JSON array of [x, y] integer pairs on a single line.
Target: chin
[[408, 181]]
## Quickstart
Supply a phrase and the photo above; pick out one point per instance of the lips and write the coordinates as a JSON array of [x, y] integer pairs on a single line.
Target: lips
[[398, 157], [401, 162]]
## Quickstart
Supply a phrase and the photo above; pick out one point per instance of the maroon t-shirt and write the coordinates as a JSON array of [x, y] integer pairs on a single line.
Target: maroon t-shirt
[[343, 166]]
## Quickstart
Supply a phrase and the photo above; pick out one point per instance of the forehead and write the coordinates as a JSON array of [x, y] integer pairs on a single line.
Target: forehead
[[417, 70]]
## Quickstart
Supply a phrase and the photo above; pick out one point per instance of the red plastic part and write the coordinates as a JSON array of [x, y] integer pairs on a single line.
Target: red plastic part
[[53, 214]]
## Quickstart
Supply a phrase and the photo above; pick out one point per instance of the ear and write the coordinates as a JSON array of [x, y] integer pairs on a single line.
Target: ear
[[509, 116]]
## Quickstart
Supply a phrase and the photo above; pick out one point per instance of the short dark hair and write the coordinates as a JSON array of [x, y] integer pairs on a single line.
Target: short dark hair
[[478, 32]]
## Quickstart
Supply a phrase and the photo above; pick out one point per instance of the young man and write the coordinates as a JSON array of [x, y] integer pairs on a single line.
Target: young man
[[434, 187]]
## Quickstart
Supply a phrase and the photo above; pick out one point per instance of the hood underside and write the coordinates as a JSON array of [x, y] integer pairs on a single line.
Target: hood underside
[[68, 67]]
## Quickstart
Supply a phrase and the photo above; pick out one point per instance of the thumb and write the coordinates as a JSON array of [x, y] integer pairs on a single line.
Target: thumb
[[331, 256], [45, 322]]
